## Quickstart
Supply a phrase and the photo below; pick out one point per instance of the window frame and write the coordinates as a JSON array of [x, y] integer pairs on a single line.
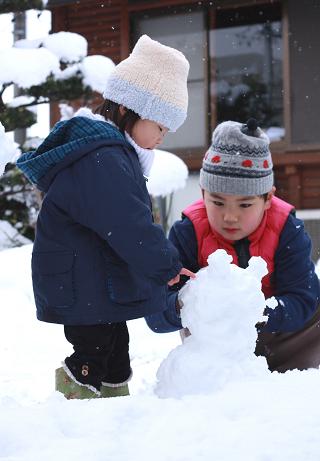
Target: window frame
[[193, 157]]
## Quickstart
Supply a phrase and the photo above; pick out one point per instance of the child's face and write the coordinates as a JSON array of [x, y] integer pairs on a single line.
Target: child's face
[[235, 217], [148, 134]]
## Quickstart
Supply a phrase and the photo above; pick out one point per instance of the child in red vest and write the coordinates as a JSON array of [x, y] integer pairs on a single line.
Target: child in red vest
[[239, 213]]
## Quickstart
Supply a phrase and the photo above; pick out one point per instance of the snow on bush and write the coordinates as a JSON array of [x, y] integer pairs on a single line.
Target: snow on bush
[[95, 70], [41, 57], [77, 46], [168, 174], [37, 65], [8, 149], [10, 237]]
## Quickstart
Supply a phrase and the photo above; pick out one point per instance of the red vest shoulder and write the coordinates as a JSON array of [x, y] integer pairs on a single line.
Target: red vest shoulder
[[263, 241]]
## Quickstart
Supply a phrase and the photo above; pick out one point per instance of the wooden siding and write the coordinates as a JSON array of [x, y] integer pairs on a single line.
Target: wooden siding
[[297, 178], [105, 28], [99, 22]]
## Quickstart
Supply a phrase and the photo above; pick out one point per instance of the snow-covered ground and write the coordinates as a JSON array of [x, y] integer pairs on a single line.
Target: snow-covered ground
[[254, 419]]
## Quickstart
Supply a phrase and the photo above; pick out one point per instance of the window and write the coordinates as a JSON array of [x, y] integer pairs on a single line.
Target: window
[[235, 57], [246, 62]]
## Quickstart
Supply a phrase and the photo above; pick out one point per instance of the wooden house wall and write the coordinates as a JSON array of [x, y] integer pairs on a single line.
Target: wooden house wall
[[105, 25], [100, 23]]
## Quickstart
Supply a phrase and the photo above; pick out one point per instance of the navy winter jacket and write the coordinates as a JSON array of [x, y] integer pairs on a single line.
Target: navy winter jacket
[[295, 281], [98, 257]]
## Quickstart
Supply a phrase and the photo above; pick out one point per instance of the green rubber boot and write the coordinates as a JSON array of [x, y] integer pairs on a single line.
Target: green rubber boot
[[108, 391], [71, 389]]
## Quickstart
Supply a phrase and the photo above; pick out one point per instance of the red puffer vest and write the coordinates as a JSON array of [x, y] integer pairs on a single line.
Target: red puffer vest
[[263, 241]]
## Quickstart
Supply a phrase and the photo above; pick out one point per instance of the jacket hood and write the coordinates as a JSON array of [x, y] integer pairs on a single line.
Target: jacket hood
[[66, 143]]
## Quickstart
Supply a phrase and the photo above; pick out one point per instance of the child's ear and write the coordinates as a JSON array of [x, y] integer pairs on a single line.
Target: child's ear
[[267, 204], [122, 110]]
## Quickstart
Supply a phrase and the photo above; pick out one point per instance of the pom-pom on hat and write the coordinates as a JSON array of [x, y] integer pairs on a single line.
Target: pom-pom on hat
[[152, 82], [238, 161]]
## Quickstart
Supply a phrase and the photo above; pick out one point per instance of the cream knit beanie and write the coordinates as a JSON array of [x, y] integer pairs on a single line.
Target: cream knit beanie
[[152, 82]]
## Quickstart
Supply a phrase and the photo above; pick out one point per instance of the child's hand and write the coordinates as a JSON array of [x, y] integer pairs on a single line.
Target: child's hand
[[183, 271]]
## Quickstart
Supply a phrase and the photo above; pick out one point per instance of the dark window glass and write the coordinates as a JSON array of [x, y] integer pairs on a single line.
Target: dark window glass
[[246, 61], [304, 51], [235, 67]]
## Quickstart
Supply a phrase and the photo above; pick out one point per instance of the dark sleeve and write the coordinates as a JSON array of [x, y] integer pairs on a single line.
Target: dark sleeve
[[102, 193], [296, 283], [182, 235]]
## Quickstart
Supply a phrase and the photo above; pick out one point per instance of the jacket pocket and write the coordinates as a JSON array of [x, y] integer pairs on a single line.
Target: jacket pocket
[[125, 287], [52, 276]]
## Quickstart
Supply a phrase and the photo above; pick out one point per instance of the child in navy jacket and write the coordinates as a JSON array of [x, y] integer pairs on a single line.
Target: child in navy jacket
[[240, 214], [98, 257]]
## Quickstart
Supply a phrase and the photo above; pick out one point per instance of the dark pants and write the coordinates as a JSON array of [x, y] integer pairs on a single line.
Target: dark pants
[[101, 353]]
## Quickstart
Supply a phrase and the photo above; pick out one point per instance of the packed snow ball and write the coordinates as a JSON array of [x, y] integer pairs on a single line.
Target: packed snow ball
[[220, 308]]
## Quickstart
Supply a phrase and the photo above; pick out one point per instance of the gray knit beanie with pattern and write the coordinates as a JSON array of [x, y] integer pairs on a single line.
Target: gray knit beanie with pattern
[[238, 161]]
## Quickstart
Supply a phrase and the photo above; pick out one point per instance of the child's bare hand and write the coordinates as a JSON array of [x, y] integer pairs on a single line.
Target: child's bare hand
[[183, 271]]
